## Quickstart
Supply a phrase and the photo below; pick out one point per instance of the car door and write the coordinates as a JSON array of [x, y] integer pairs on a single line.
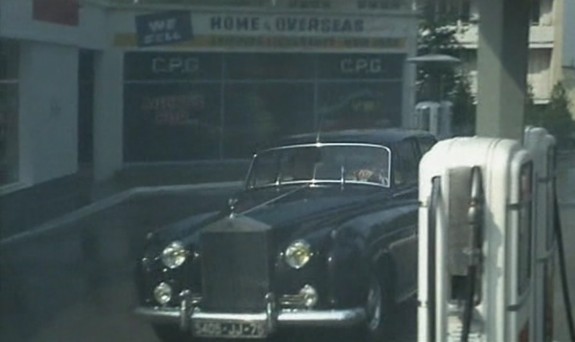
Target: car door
[[404, 248]]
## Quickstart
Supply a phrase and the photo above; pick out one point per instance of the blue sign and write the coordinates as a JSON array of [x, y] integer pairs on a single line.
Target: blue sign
[[163, 28]]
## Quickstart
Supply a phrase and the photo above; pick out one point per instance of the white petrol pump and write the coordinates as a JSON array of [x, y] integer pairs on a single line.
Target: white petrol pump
[[434, 117], [482, 253], [542, 147]]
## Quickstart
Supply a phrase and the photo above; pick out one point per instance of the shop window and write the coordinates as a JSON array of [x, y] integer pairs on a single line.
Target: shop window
[[8, 112], [348, 105], [258, 113], [202, 106], [171, 122]]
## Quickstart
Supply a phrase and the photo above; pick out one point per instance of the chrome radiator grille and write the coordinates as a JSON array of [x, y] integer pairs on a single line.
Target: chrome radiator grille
[[236, 266]]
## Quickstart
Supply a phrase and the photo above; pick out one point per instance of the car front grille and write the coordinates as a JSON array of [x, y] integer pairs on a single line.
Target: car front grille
[[236, 266]]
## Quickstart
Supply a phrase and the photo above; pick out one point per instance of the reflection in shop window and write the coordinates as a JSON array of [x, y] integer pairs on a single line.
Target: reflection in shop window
[[359, 105], [259, 112], [8, 112], [213, 106]]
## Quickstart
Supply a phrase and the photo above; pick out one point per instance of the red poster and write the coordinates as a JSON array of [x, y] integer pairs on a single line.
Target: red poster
[[65, 12]]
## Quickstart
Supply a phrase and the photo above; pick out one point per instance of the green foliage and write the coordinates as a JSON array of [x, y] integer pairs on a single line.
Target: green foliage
[[464, 109], [533, 114], [435, 39], [555, 116], [438, 36]]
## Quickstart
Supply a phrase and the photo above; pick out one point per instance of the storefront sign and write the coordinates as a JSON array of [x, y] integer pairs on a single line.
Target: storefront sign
[[163, 28], [362, 66], [277, 31], [173, 66]]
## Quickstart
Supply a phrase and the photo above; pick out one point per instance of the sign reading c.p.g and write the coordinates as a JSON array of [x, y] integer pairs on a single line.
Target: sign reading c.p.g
[[163, 28]]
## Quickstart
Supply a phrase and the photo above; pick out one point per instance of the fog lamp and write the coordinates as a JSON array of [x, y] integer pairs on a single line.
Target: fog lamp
[[309, 296], [163, 293], [298, 254], [174, 255]]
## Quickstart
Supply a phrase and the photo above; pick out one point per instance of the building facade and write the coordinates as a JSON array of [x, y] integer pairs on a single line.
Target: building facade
[[262, 70], [94, 86], [545, 47]]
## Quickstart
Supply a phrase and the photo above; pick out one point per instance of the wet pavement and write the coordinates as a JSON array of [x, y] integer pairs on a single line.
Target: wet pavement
[[73, 282]]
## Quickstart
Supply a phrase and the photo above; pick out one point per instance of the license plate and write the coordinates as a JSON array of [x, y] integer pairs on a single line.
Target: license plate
[[229, 329]]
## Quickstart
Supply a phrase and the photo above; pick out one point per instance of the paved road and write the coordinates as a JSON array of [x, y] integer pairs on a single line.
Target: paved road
[[74, 283]]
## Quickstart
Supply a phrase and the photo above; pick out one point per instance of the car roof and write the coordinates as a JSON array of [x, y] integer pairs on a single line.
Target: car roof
[[385, 136]]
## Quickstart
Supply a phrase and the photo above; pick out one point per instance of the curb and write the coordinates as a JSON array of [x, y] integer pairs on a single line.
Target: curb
[[110, 202]]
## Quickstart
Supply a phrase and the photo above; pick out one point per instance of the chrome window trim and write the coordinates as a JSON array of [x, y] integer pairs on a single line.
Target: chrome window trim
[[313, 182]]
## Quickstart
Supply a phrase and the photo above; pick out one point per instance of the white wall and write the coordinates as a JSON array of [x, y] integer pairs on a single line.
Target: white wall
[[16, 21], [108, 113], [539, 73], [48, 111]]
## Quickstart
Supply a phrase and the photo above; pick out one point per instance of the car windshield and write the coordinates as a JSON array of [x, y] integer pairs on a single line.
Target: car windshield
[[325, 163]]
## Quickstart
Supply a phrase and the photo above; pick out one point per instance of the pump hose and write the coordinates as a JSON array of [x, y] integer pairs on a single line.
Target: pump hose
[[563, 270]]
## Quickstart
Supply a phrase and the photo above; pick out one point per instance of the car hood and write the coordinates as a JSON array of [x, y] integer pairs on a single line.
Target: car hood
[[291, 205], [291, 211]]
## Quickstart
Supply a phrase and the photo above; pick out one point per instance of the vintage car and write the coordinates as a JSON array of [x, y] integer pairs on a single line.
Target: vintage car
[[323, 235]]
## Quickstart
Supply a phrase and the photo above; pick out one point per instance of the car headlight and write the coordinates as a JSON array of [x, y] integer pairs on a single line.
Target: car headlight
[[298, 254], [309, 296], [174, 255], [163, 293]]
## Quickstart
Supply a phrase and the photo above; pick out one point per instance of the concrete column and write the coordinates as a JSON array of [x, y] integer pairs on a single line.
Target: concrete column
[[108, 113], [409, 80], [558, 42], [502, 67]]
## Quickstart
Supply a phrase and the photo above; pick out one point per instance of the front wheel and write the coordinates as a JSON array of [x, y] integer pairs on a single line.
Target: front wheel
[[378, 309]]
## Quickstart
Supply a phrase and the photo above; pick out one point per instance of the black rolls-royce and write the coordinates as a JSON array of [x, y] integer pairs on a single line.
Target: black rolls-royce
[[324, 234]]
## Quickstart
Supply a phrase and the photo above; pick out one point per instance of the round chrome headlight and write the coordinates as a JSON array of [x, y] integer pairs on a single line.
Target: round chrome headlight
[[309, 296], [298, 254], [174, 255], [163, 293]]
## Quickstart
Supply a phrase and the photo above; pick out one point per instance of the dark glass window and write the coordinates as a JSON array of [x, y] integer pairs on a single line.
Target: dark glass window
[[9, 171], [166, 122], [348, 105], [257, 113], [191, 106], [267, 66], [406, 163]]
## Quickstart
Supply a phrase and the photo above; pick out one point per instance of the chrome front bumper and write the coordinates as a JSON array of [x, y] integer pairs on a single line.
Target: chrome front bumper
[[281, 318], [189, 316]]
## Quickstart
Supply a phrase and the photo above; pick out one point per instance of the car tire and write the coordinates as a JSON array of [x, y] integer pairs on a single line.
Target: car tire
[[378, 309], [169, 333]]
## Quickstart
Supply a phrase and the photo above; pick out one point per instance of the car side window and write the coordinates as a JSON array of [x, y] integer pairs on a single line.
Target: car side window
[[425, 144], [407, 163]]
